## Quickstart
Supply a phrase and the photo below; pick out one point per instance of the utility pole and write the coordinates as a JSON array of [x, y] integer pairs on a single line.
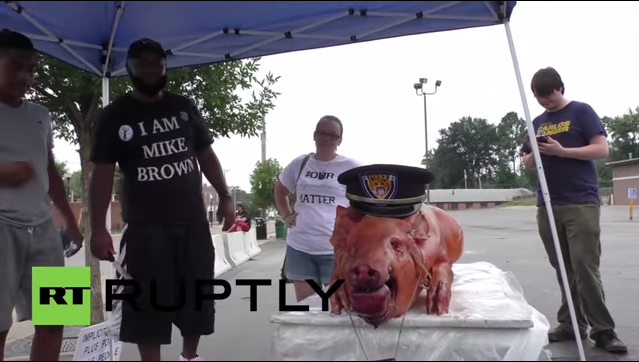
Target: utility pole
[[419, 90]]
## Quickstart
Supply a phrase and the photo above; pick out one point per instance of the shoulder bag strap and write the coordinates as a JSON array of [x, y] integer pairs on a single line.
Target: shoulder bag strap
[[304, 161]]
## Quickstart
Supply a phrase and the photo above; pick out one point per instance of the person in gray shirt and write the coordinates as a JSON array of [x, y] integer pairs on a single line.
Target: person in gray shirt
[[29, 181]]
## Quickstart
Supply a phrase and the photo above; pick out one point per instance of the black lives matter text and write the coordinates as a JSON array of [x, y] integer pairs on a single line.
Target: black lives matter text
[[163, 149], [317, 199]]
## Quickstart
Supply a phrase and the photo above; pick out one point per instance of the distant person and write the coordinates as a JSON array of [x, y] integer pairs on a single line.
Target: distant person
[[158, 139], [242, 220], [29, 181], [242, 213], [574, 138], [313, 178]]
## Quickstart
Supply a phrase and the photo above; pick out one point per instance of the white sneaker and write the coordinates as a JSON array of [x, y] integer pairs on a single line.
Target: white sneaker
[[196, 358]]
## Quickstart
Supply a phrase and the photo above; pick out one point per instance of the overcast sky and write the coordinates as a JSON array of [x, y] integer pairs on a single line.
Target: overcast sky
[[370, 86]]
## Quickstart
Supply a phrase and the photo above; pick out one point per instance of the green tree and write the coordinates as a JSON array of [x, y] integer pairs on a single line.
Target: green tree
[[62, 168], [470, 145], [511, 132], [239, 195], [623, 133], [75, 185], [263, 179], [503, 176], [75, 97]]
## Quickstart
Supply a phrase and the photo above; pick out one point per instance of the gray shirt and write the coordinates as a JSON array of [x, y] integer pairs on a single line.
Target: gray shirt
[[26, 135]]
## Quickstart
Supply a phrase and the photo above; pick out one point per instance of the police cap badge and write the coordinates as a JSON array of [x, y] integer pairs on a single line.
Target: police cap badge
[[386, 190]]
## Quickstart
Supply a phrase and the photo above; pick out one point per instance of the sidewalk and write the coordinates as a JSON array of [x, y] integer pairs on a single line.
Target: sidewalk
[[18, 344]]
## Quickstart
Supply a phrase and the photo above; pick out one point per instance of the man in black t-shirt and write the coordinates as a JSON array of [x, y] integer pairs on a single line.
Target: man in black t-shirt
[[158, 139]]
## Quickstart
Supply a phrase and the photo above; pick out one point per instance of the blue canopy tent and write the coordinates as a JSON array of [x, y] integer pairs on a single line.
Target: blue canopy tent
[[94, 36]]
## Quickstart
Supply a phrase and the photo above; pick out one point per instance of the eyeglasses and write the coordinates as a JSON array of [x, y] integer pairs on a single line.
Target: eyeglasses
[[332, 136]]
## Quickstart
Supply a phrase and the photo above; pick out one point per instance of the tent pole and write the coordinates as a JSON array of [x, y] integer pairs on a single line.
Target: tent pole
[[105, 101], [544, 189]]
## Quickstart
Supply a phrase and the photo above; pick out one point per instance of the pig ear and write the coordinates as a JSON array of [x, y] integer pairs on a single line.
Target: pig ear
[[418, 228], [345, 219]]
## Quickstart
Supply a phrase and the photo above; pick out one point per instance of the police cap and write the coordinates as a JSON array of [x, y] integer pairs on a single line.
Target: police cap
[[386, 190]]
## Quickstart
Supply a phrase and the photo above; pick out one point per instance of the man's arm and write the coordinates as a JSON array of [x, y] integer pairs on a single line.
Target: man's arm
[[206, 157], [596, 149], [529, 161], [105, 154], [100, 193], [594, 133], [212, 170], [58, 193], [528, 158]]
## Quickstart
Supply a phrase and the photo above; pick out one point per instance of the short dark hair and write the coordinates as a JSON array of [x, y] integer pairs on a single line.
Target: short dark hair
[[12, 40], [546, 81], [334, 119]]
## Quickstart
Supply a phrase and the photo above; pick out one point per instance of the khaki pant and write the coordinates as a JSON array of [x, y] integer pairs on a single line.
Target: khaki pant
[[579, 236]]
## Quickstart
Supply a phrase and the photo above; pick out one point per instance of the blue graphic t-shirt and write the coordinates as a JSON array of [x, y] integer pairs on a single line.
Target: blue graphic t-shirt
[[570, 181]]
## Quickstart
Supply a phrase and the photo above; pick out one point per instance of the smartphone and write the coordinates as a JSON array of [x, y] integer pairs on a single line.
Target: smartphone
[[68, 244], [542, 138]]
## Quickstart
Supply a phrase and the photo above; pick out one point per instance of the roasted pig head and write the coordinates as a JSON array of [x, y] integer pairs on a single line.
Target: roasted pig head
[[386, 262]]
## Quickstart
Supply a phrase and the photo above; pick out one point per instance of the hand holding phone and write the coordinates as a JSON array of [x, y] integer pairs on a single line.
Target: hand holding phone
[[542, 138], [68, 244]]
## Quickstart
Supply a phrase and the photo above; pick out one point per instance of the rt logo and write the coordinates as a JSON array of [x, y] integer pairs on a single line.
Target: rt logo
[[61, 296]]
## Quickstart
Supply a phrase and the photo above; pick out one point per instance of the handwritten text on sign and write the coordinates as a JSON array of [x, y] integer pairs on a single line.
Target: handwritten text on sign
[[93, 344]]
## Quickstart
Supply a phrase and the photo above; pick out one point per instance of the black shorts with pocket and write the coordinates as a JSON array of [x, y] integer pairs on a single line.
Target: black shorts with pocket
[[174, 257]]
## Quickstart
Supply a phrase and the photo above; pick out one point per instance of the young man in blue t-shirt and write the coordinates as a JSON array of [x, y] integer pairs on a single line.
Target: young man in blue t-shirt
[[570, 137]]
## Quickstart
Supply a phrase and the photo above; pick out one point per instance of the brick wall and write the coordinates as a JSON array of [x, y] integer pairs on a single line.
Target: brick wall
[[116, 218]]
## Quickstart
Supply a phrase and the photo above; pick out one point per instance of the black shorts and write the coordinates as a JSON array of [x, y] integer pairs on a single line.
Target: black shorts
[[174, 257]]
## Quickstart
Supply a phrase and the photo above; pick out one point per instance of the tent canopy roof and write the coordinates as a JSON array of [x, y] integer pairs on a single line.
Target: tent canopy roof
[[87, 33]]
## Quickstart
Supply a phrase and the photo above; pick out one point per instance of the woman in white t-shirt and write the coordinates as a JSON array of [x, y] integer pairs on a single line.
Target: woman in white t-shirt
[[309, 253]]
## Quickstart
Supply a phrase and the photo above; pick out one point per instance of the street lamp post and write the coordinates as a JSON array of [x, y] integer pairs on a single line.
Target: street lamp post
[[419, 90]]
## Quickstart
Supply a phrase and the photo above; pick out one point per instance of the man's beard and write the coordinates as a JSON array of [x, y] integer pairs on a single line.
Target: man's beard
[[149, 89]]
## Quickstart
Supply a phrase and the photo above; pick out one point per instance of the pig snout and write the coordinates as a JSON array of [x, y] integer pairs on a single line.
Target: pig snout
[[368, 275]]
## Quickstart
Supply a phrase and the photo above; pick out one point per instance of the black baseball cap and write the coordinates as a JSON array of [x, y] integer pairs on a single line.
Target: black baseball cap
[[13, 40], [145, 45]]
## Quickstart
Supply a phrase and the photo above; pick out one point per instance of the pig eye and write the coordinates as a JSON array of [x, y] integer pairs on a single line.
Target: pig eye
[[396, 247]]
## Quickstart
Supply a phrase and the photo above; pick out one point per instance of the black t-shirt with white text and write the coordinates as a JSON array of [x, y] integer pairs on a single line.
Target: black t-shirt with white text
[[156, 146]]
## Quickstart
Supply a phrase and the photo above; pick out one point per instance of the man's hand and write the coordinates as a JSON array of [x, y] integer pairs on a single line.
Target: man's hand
[[102, 245], [16, 173], [226, 213], [551, 148], [73, 232]]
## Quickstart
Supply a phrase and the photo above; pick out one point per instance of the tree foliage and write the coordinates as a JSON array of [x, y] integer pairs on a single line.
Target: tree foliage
[[263, 179], [62, 168], [75, 185], [623, 134], [74, 99], [474, 153]]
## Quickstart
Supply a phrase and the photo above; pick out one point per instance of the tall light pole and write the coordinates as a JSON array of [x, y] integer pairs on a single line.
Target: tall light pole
[[419, 90]]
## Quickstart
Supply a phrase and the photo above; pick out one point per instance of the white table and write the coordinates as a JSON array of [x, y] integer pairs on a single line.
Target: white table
[[489, 319]]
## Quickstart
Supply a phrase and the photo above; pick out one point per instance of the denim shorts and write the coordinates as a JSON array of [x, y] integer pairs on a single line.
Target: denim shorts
[[301, 266]]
